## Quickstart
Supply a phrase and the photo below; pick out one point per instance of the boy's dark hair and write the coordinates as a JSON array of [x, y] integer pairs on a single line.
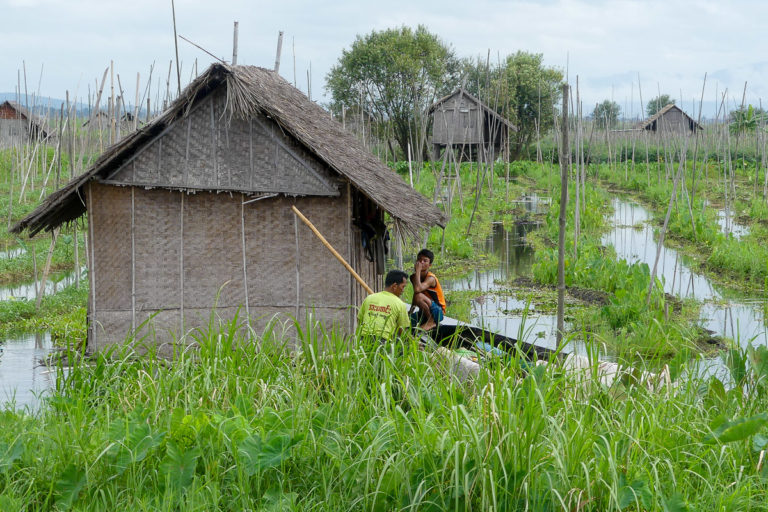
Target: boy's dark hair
[[429, 254], [394, 277]]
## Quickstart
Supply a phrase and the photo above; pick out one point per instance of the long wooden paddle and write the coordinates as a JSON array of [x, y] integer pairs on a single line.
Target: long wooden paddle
[[330, 248]]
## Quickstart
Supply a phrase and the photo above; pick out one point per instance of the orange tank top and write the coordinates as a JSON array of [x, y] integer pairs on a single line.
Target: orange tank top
[[437, 291]]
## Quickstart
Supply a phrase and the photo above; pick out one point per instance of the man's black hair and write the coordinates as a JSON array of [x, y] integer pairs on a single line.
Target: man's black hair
[[429, 254], [394, 277]]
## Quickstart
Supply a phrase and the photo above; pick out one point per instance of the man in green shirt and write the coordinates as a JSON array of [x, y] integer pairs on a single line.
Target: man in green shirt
[[383, 315]]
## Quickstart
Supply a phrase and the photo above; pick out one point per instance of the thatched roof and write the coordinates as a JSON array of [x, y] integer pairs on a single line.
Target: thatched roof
[[35, 121], [252, 90], [658, 115], [466, 94]]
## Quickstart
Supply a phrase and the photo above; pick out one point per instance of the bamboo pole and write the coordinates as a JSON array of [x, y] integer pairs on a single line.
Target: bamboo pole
[[234, 45], [279, 51], [46, 269], [330, 248], [565, 156]]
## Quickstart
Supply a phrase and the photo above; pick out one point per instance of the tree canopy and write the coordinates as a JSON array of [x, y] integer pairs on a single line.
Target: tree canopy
[[658, 103], [521, 89], [747, 119], [394, 75], [606, 114]]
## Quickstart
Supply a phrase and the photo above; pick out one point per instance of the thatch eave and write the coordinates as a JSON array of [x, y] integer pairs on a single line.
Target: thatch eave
[[251, 91]]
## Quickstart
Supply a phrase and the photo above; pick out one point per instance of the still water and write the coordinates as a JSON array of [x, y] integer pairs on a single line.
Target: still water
[[24, 378], [726, 312]]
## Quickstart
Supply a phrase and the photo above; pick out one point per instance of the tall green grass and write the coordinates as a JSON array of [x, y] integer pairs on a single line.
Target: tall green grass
[[241, 424]]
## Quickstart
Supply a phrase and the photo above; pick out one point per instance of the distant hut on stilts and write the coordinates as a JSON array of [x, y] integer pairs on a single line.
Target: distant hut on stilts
[[461, 121], [193, 211], [19, 126]]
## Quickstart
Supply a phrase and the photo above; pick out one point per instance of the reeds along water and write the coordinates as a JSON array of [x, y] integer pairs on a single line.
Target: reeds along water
[[382, 429]]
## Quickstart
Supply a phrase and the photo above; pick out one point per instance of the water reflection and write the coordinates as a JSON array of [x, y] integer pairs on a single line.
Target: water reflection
[[725, 312], [23, 377], [55, 282], [634, 241], [11, 253], [503, 313], [729, 226]]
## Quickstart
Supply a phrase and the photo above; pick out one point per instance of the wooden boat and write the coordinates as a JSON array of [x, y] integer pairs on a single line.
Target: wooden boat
[[455, 334]]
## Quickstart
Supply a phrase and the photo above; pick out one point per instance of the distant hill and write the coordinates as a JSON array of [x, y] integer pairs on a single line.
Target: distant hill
[[50, 107]]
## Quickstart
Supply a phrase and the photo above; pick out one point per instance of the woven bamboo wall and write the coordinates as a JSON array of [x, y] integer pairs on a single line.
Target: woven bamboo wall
[[207, 151], [162, 257]]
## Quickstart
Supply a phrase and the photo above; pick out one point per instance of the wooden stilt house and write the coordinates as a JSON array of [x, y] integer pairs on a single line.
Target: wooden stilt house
[[18, 126], [460, 120], [670, 120], [193, 211]]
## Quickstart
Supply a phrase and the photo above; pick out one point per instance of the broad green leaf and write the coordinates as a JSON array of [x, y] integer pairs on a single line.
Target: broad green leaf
[[258, 455], [759, 442], [133, 441], [717, 389], [8, 503], [68, 486], [674, 503], [736, 362], [737, 430], [9, 454], [635, 492], [178, 468]]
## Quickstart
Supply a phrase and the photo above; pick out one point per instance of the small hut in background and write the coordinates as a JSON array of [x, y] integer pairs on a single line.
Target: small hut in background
[[18, 126], [462, 121], [670, 120], [193, 211]]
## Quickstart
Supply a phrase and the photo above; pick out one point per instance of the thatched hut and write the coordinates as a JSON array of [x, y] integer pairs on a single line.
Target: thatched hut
[[18, 126], [670, 120], [193, 211], [462, 120]]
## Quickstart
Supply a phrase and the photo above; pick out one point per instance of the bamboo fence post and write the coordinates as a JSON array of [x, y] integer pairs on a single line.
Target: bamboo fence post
[[133, 260], [298, 269], [181, 262], [46, 269], [77, 255], [564, 170], [245, 267], [666, 223], [279, 51], [329, 247]]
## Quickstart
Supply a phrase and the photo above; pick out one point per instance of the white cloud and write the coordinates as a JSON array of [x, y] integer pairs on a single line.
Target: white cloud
[[669, 44]]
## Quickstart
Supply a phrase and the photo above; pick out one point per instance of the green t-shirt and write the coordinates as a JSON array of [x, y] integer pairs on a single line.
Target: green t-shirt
[[381, 314]]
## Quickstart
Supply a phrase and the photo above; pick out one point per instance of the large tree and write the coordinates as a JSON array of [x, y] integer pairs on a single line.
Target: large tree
[[658, 103], [606, 114], [394, 75], [529, 94]]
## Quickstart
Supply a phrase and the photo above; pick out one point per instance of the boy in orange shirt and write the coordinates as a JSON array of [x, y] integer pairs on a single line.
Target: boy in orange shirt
[[427, 293]]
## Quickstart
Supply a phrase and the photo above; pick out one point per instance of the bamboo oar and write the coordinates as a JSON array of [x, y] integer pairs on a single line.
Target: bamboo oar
[[330, 248]]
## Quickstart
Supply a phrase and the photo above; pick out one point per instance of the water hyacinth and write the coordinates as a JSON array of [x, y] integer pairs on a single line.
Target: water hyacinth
[[235, 421]]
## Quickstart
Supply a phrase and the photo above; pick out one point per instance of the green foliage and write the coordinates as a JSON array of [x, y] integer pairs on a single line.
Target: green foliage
[[238, 424], [606, 114], [530, 93], [658, 103], [396, 73], [747, 120]]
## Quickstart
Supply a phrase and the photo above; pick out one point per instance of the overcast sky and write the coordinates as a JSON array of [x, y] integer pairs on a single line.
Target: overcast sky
[[617, 48]]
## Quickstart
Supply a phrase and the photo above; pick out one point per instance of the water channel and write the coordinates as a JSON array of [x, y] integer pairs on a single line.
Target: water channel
[[24, 378], [727, 313]]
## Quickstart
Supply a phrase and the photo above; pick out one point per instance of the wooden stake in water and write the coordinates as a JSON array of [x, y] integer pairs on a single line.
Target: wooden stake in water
[[565, 164]]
